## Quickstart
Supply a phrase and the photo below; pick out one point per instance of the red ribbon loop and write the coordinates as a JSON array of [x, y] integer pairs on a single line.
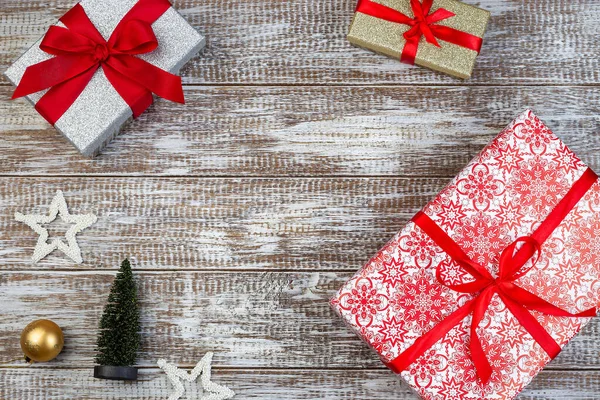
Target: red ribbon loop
[[423, 24], [483, 286], [79, 50], [143, 41]]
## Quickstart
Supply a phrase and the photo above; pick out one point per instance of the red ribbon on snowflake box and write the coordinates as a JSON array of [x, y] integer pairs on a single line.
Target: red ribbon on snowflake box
[[102, 64], [492, 278]]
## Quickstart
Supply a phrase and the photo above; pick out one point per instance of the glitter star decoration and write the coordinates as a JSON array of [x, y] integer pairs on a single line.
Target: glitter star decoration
[[175, 375], [58, 207]]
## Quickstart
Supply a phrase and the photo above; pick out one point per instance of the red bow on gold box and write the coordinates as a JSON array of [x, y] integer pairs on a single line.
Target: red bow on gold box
[[444, 35]]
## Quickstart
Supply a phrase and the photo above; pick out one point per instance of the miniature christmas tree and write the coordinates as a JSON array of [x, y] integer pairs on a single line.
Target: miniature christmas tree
[[119, 337]]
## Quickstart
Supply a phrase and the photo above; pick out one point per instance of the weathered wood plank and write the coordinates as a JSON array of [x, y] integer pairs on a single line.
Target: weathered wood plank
[[293, 131], [244, 267], [183, 223], [77, 384], [303, 41], [251, 319]]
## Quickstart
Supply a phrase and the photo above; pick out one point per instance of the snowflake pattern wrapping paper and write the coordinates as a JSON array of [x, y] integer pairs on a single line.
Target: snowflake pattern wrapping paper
[[503, 195]]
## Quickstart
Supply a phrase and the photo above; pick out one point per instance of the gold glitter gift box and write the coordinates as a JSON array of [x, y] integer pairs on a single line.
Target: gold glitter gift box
[[99, 112], [443, 35]]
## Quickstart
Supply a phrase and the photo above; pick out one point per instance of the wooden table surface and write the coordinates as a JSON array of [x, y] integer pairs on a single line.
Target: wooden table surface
[[295, 158]]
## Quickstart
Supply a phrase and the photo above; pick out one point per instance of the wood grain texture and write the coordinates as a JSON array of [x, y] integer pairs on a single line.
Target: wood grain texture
[[304, 42], [47, 384], [185, 223], [296, 157], [295, 131], [250, 319]]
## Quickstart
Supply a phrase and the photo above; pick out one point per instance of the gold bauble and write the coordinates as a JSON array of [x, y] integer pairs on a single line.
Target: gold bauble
[[42, 340]]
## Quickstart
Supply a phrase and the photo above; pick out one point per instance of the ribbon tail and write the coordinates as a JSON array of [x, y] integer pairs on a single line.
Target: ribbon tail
[[429, 36], [424, 343], [459, 38], [533, 302], [59, 98], [158, 81], [531, 324], [137, 97], [439, 15], [52, 72]]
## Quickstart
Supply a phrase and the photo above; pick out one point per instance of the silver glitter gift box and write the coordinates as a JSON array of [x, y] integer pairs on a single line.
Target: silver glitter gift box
[[99, 112]]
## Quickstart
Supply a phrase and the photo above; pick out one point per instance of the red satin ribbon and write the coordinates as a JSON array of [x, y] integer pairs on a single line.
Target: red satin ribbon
[[80, 50], [422, 24], [518, 300]]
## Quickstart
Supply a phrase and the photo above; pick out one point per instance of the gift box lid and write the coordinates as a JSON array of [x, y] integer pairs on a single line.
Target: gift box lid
[[99, 111], [503, 194]]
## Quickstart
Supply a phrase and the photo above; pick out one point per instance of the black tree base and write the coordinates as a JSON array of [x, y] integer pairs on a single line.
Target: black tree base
[[115, 373]]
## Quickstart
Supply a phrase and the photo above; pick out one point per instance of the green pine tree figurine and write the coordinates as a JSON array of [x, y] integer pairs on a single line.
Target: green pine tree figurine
[[119, 337]]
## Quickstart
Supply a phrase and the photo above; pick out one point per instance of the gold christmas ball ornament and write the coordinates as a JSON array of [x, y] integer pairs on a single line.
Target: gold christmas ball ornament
[[42, 340]]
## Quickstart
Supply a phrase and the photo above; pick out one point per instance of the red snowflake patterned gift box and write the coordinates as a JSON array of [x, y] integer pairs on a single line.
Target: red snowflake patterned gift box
[[488, 282]]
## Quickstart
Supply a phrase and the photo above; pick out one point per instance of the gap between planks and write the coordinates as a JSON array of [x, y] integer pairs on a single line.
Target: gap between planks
[[262, 369], [88, 271], [230, 177], [3, 83]]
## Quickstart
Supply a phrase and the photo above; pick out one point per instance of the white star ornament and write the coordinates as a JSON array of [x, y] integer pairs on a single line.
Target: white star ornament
[[58, 207], [175, 375]]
